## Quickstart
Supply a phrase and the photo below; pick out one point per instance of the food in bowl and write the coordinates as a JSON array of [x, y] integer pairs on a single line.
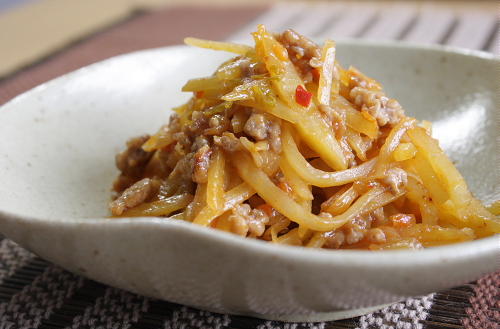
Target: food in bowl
[[283, 144]]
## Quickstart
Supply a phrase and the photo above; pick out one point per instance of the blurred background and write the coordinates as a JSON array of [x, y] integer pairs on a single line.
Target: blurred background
[[42, 39]]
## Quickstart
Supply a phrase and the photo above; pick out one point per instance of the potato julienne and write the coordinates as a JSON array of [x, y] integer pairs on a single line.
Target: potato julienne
[[283, 144]]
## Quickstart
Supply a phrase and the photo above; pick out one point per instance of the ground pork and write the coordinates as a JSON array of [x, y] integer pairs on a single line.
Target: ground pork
[[358, 79], [301, 51], [274, 132], [228, 142], [379, 216], [249, 68], [133, 160], [396, 178], [183, 169], [376, 235], [199, 122], [262, 127], [132, 196], [183, 142], [174, 123], [245, 220], [301, 45], [217, 124], [353, 234], [199, 142], [382, 108], [201, 164], [347, 151], [334, 239], [256, 126]]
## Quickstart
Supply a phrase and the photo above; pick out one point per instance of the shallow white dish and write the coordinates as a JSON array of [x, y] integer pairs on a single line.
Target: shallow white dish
[[57, 147]]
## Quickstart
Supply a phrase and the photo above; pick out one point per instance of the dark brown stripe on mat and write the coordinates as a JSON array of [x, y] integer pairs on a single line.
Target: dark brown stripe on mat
[[21, 278], [74, 306], [448, 307], [36, 301], [155, 29], [157, 313]]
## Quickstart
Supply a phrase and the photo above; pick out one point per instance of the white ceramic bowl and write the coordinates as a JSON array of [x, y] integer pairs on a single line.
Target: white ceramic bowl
[[57, 147]]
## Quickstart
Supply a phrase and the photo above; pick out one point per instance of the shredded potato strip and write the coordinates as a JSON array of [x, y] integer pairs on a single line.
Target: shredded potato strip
[[418, 194], [356, 143], [282, 202], [315, 131], [232, 197], [259, 94], [461, 203], [319, 135], [315, 176], [278, 64], [339, 203], [381, 200], [179, 216], [223, 222], [360, 121], [203, 84], [313, 128], [482, 221], [215, 182], [281, 148], [433, 235], [494, 208], [159, 140], [425, 172], [366, 203], [404, 151], [326, 72], [304, 233], [290, 238], [390, 144], [317, 240], [445, 171], [299, 187], [198, 203], [276, 197], [278, 227], [184, 111], [161, 207], [408, 243], [216, 45]]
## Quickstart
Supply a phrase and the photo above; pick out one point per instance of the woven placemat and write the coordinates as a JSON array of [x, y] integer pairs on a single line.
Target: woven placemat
[[37, 294]]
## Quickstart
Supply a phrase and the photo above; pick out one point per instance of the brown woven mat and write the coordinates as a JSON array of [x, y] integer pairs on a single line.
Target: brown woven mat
[[36, 294], [142, 30]]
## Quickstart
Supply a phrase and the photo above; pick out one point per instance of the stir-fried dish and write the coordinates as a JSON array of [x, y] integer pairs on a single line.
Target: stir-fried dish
[[284, 144]]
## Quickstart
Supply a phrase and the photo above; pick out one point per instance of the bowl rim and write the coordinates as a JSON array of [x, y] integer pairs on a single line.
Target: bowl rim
[[456, 252], [394, 258]]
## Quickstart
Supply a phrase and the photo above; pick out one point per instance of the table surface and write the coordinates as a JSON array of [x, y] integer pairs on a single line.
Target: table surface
[[37, 294]]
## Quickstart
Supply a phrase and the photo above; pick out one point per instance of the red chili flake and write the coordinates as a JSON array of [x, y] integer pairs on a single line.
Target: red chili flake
[[402, 220], [199, 94], [302, 96]]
